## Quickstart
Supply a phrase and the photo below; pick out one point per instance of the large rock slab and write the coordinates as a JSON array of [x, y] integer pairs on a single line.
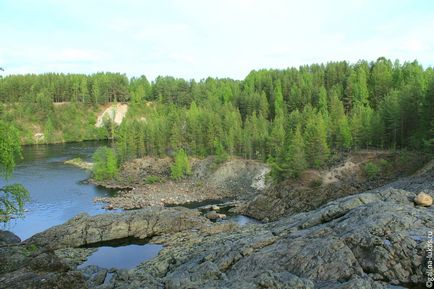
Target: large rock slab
[[31, 267], [144, 223], [376, 239], [370, 240], [7, 237]]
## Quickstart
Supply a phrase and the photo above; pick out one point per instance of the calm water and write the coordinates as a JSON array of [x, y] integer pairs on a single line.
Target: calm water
[[124, 257], [243, 220], [56, 191]]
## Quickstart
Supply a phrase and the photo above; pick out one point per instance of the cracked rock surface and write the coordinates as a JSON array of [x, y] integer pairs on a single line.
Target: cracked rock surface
[[375, 239], [370, 240], [144, 223]]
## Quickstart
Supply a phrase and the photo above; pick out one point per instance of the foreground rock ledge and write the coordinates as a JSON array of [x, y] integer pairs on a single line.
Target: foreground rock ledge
[[144, 223], [369, 240]]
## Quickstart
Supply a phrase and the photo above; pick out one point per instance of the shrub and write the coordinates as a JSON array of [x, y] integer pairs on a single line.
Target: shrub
[[149, 180], [371, 170], [220, 154], [105, 164], [385, 166], [181, 168], [12, 197]]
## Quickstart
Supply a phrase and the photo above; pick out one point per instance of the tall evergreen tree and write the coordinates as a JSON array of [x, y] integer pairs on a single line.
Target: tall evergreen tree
[[315, 140]]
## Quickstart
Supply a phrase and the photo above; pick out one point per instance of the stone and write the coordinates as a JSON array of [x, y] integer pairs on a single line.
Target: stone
[[38, 137], [143, 223], [78, 162], [99, 277], [359, 241], [423, 199], [213, 215], [375, 239], [7, 237], [29, 267]]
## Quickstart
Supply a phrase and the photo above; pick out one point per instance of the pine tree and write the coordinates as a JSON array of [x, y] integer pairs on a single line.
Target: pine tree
[[278, 101], [277, 135], [361, 125], [292, 161], [380, 82], [48, 131], [390, 111], [344, 137], [315, 140], [181, 167], [220, 153], [105, 164], [322, 101], [84, 91], [263, 105]]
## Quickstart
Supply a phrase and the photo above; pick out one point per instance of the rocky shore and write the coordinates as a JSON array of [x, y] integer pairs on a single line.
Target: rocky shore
[[235, 179], [374, 239], [78, 162]]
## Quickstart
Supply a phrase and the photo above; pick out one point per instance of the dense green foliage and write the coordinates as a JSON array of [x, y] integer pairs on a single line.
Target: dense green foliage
[[149, 180], [292, 160], [333, 107], [336, 107], [10, 148], [371, 170], [181, 167], [12, 197], [374, 169], [52, 87], [64, 122], [105, 164]]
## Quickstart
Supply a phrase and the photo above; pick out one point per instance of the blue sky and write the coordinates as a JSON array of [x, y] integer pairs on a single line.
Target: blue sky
[[219, 38]]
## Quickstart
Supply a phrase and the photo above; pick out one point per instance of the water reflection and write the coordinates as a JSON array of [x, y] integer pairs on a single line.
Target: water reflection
[[123, 257], [56, 191]]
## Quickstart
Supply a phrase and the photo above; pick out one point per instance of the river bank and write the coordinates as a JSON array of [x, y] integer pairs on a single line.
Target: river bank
[[57, 190], [319, 231], [374, 239], [235, 179], [247, 184]]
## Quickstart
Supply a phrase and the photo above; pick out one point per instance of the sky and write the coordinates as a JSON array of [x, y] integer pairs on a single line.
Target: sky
[[194, 39]]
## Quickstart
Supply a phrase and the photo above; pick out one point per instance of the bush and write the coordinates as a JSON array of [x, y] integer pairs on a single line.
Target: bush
[[105, 164], [12, 199], [149, 180], [384, 165], [371, 170], [181, 168], [220, 154]]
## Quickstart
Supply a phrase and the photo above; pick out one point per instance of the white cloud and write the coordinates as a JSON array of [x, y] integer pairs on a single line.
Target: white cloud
[[224, 38], [79, 55]]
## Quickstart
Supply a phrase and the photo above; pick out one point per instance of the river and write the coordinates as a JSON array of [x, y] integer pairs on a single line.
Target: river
[[57, 192]]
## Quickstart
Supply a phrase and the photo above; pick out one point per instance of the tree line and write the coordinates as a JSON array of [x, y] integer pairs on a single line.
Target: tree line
[[294, 118]]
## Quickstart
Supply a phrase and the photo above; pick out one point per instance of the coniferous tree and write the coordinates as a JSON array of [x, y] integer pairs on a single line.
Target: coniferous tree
[[277, 135], [360, 125], [278, 101], [105, 164], [293, 161], [181, 167], [48, 131], [315, 140]]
